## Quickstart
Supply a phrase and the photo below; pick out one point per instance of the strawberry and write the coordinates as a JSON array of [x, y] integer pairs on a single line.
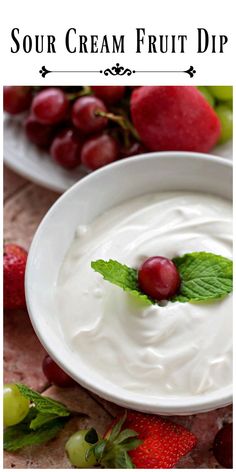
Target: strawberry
[[164, 442], [142, 441], [14, 262], [174, 118]]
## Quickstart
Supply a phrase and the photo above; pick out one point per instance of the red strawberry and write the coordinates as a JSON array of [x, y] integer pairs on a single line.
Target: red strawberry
[[144, 441], [175, 118], [14, 262], [164, 442]]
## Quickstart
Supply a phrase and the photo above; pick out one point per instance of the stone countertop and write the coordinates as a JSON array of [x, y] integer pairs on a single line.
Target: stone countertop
[[25, 204]]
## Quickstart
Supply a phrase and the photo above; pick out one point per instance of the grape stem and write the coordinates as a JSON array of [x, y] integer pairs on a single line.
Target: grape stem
[[121, 121], [85, 91]]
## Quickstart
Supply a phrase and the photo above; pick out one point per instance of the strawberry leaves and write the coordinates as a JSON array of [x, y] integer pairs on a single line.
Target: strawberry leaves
[[111, 452]]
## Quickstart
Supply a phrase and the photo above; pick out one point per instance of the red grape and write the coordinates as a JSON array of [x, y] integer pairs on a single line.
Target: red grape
[[55, 374], [158, 277], [223, 446], [50, 106], [16, 99], [99, 151], [65, 149], [134, 149], [109, 94], [84, 114], [38, 133]]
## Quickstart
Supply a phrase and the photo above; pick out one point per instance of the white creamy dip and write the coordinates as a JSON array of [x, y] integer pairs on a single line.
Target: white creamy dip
[[179, 349]]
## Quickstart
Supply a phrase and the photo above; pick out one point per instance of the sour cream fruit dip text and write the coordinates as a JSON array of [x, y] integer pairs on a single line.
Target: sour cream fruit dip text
[[178, 349]]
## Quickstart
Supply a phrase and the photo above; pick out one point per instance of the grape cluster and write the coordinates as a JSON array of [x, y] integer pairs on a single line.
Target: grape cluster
[[78, 125], [92, 125]]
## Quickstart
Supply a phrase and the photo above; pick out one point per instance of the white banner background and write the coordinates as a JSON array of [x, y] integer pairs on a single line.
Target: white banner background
[[123, 17]]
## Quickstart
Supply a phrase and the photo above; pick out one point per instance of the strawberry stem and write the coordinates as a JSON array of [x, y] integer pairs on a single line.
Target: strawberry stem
[[111, 452]]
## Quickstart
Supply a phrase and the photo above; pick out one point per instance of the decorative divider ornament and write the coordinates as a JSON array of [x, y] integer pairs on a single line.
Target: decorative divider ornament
[[118, 70]]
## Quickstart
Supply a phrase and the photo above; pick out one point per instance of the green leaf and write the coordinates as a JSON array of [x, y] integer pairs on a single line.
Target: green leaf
[[124, 435], [19, 436], [131, 444], [122, 276], [122, 460], [99, 449], [126, 462], [111, 451], [41, 419], [204, 277], [43, 404], [116, 429]]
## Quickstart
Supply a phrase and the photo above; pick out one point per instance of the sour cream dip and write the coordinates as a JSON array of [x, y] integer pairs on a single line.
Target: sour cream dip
[[179, 349]]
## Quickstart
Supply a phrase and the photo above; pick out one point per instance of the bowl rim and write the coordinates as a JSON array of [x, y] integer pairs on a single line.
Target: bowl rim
[[169, 405]]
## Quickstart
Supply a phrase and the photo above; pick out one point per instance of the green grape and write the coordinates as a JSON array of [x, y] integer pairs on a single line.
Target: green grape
[[76, 448], [221, 92], [229, 104], [226, 118], [206, 93], [15, 405]]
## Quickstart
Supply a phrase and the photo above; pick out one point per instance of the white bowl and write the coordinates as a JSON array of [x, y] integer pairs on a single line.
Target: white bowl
[[80, 205]]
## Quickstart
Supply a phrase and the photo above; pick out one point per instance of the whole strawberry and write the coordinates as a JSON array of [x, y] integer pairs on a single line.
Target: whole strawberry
[[14, 262], [142, 441], [164, 442], [176, 118]]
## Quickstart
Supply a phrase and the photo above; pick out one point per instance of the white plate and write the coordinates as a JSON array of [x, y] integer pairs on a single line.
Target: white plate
[[31, 162]]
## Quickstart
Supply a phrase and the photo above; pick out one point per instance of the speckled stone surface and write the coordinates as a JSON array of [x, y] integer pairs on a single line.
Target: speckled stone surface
[[24, 207]]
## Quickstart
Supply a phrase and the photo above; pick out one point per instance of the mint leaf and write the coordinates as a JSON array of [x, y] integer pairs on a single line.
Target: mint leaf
[[204, 277], [40, 420], [121, 275], [43, 404], [19, 436]]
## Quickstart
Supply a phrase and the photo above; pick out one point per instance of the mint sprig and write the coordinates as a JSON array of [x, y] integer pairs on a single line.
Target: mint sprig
[[21, 435], [43, 404], [45, 419], [204, 277]]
